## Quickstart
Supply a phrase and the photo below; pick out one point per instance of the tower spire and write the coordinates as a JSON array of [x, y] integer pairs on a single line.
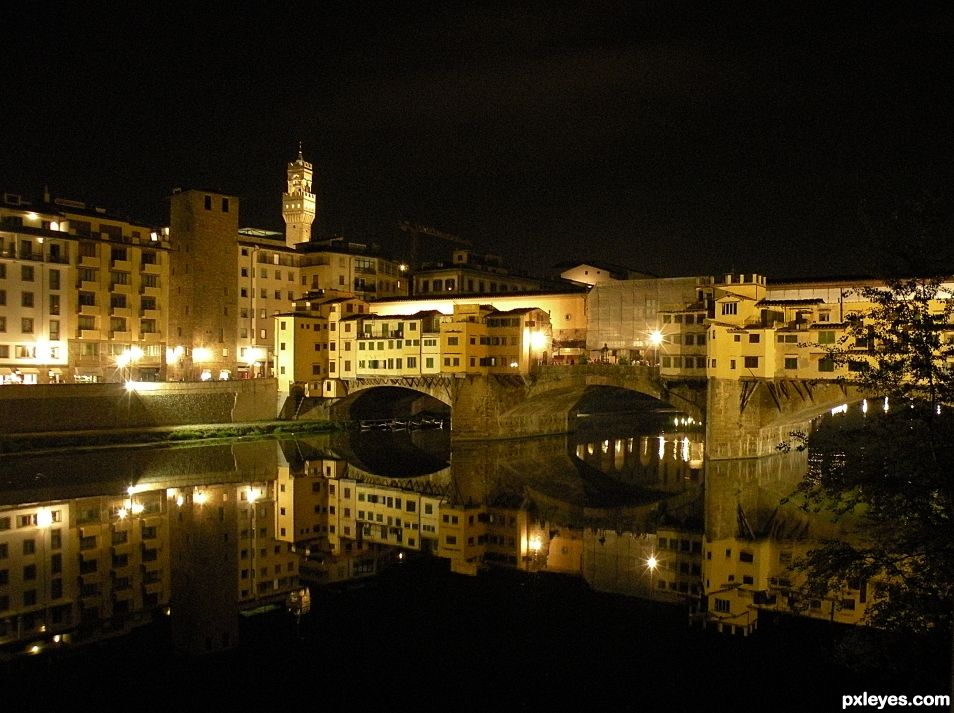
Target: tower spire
[[298, 202]]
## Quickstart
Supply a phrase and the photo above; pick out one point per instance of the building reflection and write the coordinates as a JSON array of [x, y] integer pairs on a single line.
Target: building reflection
[[630, 514]]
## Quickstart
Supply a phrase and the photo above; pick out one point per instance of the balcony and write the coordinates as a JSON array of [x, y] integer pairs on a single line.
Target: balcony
[[120, 311], [150, 291], [117, 336], [151, 268], [152, 337], [122, 265], [87, 285], [90, 310], [150, 313], [120, 289], [88, 261]]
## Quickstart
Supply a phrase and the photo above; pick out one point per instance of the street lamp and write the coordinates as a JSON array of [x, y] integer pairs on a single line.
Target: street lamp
[[254, 356], [651, 564], [655, 340], [200, 355]]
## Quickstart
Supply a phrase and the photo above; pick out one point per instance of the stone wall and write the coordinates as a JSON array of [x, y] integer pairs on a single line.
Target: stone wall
[[39, 408]]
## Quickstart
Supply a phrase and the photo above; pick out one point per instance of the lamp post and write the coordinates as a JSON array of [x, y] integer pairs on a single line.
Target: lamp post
[[655, 340], [652, 563], [201, 355]]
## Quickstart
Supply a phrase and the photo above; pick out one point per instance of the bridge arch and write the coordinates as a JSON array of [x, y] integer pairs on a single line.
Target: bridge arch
[[387, 401]]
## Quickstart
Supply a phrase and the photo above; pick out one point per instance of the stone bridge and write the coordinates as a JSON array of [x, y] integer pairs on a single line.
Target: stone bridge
[[744, 418], [502, 406]]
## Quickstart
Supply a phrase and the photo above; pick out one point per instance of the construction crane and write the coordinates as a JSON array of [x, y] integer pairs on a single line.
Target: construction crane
[[416, 231]]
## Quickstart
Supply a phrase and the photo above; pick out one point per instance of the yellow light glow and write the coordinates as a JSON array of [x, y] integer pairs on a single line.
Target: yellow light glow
[[137, 508], [201, 354], [122, 513], [535, 544], [254, 354], [655, 338], [538, 340], [652, 562], [44, 518], [200, 497], [180, 500], [44, 351], [253, 494]]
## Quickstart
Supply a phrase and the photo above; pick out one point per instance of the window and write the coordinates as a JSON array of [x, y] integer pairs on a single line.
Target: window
[[26, 299], [730, 308], [755, 338], [26, 325], [452, 341], [751, 362], [826, 337], [791, 362], [722, 606], [26, 273], [826, 364]]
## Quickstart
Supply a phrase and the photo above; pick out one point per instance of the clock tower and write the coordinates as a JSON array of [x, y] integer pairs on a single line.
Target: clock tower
[[298, 203]]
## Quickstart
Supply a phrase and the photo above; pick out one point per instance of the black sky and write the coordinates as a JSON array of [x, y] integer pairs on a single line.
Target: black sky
[[674, 137]]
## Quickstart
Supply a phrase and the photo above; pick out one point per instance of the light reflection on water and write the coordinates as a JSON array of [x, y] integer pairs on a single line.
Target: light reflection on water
[[100, 542]]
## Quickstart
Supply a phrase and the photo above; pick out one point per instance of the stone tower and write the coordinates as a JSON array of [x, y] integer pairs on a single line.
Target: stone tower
[[298, 203]]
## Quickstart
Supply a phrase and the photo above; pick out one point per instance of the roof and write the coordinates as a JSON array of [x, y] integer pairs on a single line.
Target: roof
[[790, 303]]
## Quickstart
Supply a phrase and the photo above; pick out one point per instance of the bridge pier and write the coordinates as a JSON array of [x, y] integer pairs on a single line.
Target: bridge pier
[[750, 418]]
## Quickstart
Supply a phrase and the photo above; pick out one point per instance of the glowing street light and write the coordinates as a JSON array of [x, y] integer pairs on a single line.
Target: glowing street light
[[651, 564], [655, 340], [200, 355]]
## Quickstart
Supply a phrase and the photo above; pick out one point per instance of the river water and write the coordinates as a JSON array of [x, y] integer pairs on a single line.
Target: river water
[[553, 570]]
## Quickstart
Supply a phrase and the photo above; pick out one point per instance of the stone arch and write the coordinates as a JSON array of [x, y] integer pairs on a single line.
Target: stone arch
[[555, 410], [388, 400]]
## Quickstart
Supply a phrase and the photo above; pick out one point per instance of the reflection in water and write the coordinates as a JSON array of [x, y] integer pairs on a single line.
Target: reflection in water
[[89, 548]]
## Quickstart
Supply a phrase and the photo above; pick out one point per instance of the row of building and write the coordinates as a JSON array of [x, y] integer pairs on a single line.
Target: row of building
[[88, 296]]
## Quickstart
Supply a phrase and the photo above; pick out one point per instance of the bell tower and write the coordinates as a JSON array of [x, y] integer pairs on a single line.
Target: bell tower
[[298, 203]]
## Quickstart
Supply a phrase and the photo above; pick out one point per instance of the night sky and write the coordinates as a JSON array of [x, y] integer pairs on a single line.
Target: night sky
[[672, 137]]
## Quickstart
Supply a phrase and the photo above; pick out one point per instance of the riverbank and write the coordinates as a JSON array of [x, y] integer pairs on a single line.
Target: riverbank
[[19, 443]]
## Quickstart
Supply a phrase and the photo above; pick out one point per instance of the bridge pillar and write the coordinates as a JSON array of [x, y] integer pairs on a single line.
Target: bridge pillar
[[750, 418]]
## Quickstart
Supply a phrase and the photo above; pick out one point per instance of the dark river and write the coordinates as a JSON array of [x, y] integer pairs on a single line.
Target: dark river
[[362, 569]]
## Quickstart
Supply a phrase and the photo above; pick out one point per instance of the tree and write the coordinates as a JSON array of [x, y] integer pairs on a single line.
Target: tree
[[892, 468]]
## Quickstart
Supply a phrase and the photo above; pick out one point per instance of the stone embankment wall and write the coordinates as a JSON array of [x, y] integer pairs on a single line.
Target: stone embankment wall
[[45, 408]]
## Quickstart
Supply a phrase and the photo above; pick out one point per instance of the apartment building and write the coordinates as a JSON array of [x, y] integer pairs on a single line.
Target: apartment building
[[470, 273], [316, 341], [84, 294]]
